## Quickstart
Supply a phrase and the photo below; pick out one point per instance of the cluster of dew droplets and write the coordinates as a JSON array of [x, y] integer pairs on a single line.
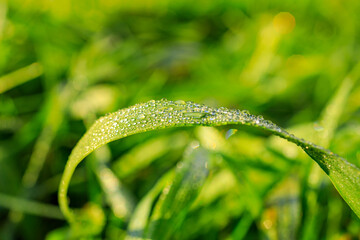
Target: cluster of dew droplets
[[162, 114], [159, 114]]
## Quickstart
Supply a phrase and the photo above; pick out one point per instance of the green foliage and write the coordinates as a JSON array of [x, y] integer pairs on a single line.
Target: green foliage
[[64, 64], [155, 115], [177, 197]]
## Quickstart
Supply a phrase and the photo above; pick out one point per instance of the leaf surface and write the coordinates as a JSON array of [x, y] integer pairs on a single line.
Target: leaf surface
[[154, 115]]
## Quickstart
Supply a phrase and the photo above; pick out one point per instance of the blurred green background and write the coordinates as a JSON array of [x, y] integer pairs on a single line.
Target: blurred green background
[[65, 63]]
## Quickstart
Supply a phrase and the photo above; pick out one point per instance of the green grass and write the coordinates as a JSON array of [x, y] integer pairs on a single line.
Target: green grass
[[155, 115], [65, 64]]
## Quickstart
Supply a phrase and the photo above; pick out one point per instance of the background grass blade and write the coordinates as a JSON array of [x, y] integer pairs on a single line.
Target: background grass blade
[[178, 196], [20, 76], [139, 220], [326, 128], [161, 114], [29, 206]]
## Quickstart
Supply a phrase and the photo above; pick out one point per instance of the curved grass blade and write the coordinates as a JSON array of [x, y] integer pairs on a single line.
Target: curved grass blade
[[160, 114]]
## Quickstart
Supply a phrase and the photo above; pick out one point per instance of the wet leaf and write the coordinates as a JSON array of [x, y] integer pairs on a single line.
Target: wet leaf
[[160, 114]]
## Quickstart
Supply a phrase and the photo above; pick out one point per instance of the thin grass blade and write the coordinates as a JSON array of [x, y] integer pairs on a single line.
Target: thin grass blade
[[160, 114], [177, 198]]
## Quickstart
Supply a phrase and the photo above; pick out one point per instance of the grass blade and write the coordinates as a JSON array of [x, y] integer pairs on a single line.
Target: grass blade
[[160, 114], [328, 122], [139, 219], [30, 207], [20, 76], [177, 198]]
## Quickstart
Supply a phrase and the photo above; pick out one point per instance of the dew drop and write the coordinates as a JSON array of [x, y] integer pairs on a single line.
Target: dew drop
[[318, 127], [230, 133], [141, 116], [194, 114], [179, 165], [181, 102], [195, 144]]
